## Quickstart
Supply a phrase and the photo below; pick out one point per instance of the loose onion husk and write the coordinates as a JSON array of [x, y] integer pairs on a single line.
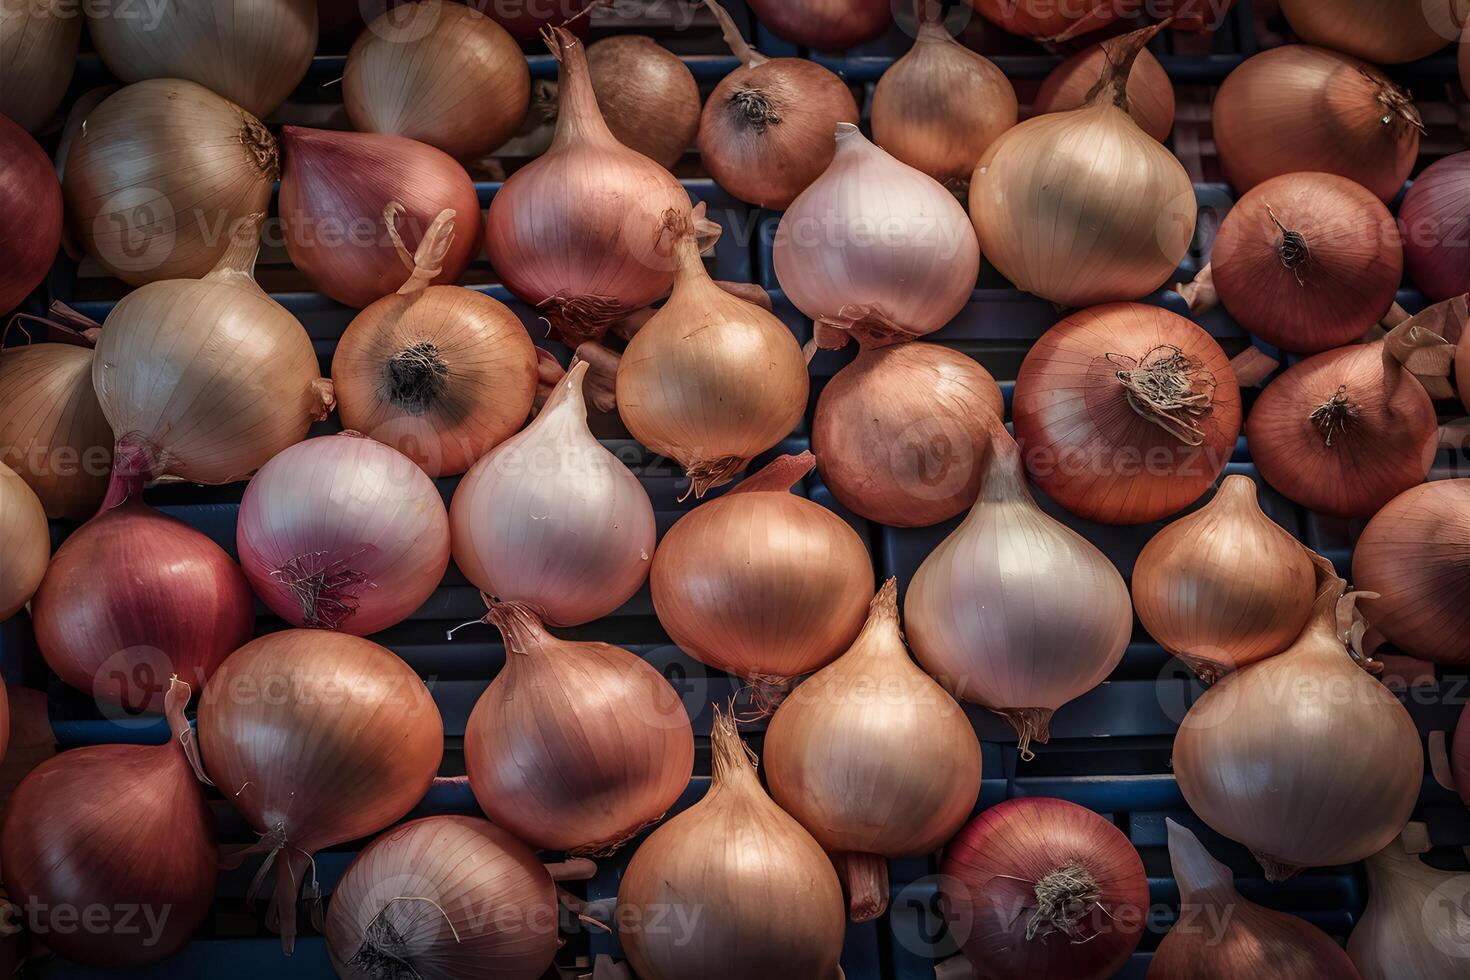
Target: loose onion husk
[[1084, 207], [444, 897], [1387, 32], [1225, 586], [766, 130], [837, 757], [1416, 923], [160, 176], [1299, 108], [1045, 20], [647, 95], [1435, 218], [441, 73], [1150, 90], [828, 25], [38, 56], [27, 542], [1039, 887], [771, 903], [1126, 413], [122, 828], [30, 215], [761, 583]]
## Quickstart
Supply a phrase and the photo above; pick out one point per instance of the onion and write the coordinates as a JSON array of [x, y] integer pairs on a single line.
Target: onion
[[1084, 207], [317, 738], [440, 373], [1435, 217], [829, 25], [1414, 553], [837, 758], [123, 829], [758, 895], [576, 232], [1221, 935], [761, 583], [205, 379], [607, 724], [38, 56], [1050, 20], [901, 434], [30, 214], [1416, 923], [1224, 586], [27, 543], [108, 614], [440, 73], [711, 381], [1388, 32], [1126, 413], [354, 207], [766, 129], [1303, 757], [1015, 611], [647, 95], [552, 520], [525, 21], [1304, 261], [1038, 887], [1150, 91], [1197, 16], [1297, 108], [447, 896], [161, 174]]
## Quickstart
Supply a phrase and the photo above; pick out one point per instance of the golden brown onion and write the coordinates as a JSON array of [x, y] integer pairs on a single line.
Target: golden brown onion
[[647, 95], [1387, 32], [1150, 90]]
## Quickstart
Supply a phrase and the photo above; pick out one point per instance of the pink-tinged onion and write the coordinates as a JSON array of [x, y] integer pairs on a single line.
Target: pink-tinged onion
[[38, 56], [26, 541], [1387, 32], [1435, 219], [1150, 90], [828, 25], [1048, 20], [30, 215]]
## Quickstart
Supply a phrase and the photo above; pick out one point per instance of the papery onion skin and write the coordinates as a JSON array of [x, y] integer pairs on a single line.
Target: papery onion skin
[[1435, 218], [994, 869], [38, 56], [1084, 441], [1414, 554], [30, 215], [441, 73], [828, 25], [647, 95], [1150, 90], [160, 176], [1387, 32], [1046, 20], [1416, 923], [902, 433], [553, 520], [467, 900], [27, 541], [1296, 108]]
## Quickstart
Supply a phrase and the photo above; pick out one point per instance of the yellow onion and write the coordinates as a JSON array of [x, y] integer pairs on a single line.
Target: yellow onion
[[1417, 923], [38, 55], [873, 758], [26, 541], [1084, 207], [647, 95], [1387, 32], [441, 73], [160, 175], [1150, 90], [1224, 586]]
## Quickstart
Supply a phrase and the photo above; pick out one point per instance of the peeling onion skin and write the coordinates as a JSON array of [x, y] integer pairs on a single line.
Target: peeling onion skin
[[1386, 32], [1435, 218], [27, 543], [827, 25], [38, 56], [648, 96], [1150, 90]]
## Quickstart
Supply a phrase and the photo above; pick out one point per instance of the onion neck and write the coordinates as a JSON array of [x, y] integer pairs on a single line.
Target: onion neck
[[578, 117], [732, 762], [865, 880], [567, 398], [778, 476], [136, 462], [1202, 880], [524, 633], [1005, 473], [427, 264], [1237, 492], [880, 637], [237, 265], [1119, 54], [1398, 108], [260, 146], [749, 57]]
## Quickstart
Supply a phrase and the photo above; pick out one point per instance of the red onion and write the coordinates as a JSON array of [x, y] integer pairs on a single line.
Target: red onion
[[830, 25], [1435, 218], [1038, 887], [30, 215], [135, 596], [1054, 20], [526, 19]]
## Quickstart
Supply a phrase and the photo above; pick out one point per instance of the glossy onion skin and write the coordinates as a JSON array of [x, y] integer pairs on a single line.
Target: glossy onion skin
[[30, 215], [828, 25], [1414, 924], [647, 95], [1386, 32], [1150, 90], [52, 429], [1435, 218], [27, 543], [38, 56]]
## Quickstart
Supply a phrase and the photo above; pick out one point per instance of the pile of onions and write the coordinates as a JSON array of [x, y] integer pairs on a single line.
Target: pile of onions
[[1221, 935], [161, 175], [343, 533], [875, 249], [1414, 554], [205, 379], [1126, 413], [30, 215], [837, 757], [758, 893], [122, 828], [1435, 218], [761, 583], [1346, 431], [1225, 586], [1304, 757], [1304, 261], [1387, 32], [577, 232], [1150, 91], [1048, 20], [108, 618], [939, 107], [1015, 611], [446, 896], [316, 738], [27, 543], [1298, 108], [38, 54], [1085, 226], [1416, 923], [711, 381], [440, 73], [606, 723], [829, 25], [766, 130], [647, 95], [902, 432], [552, 520], [1039, 887], [356, 206]]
